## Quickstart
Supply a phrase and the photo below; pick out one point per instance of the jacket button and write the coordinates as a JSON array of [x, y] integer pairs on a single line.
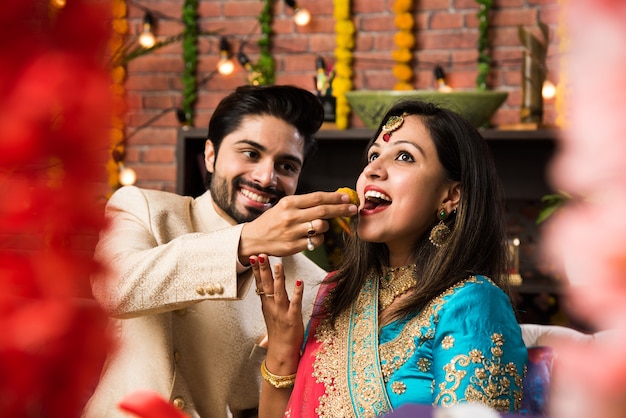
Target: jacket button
[[179, 403], [200, 290], [219, 289], [210, 289]]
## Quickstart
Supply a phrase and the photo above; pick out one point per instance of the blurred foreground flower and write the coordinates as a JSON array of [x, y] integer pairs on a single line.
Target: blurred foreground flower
[[55, 113], [587, 237]]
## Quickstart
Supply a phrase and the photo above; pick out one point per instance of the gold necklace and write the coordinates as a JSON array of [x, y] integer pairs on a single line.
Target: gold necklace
[[396, 281]]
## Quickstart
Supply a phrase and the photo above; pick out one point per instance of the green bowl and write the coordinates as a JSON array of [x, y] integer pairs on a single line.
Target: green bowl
[[478, 106]]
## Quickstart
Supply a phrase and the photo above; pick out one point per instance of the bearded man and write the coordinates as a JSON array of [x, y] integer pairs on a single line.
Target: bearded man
[[188, 323]]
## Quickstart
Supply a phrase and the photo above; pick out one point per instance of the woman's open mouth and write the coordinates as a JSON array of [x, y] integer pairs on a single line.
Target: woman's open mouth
[[375, 201]]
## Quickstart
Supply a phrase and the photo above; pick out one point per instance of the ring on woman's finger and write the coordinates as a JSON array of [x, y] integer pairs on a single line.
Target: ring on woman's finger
[[259, 291], [309, 245], [311, 232], [269, 295]]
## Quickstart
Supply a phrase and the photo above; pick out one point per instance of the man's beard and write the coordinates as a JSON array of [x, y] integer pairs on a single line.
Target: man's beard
[[227, 202]]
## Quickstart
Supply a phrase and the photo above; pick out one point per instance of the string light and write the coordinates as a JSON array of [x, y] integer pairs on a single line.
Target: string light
[[146, 38], [253, 74], [127, 175], [301, 16], [225, 65], [440, 76], [244, 61], [182, 118], [548, 91]]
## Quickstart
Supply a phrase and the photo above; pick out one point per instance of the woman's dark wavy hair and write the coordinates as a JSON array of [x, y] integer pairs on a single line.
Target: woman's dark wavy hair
[[294, 105], [477, 244]]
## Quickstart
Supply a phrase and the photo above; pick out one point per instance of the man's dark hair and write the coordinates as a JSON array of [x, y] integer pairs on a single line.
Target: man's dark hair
[[294, 105]]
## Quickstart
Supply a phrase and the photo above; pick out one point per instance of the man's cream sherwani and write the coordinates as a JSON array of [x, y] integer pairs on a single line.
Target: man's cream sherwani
[[185, 322]]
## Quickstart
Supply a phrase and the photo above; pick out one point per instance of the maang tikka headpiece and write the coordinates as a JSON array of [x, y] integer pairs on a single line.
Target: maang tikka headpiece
[[393, 124]]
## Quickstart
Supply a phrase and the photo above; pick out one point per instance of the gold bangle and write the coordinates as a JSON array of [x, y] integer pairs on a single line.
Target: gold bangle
[[279, 382]]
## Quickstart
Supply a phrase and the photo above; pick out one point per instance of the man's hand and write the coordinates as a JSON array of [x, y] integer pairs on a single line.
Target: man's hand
[[288, 227]]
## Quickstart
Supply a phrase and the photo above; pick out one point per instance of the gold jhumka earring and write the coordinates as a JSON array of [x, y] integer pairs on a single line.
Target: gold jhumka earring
[[440, 232]]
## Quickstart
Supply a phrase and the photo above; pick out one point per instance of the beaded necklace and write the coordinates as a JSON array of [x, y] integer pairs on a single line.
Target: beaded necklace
[[395, 282]]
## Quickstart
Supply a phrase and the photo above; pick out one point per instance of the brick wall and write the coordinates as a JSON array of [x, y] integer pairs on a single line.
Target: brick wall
[[446, 33]]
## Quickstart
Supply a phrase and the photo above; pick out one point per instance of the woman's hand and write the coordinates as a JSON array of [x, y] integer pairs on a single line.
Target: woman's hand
[[285, 332], [283, 317]]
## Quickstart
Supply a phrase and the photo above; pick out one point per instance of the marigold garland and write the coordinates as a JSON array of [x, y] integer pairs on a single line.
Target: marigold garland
[[342, 83], [404, 41], [118, 77]]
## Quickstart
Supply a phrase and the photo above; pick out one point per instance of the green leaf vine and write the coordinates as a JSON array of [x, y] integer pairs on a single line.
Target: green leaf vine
[[484, 57], [190, 58], [263, 72]]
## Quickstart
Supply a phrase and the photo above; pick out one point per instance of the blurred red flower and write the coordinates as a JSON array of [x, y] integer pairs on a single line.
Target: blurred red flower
[[55, 115]]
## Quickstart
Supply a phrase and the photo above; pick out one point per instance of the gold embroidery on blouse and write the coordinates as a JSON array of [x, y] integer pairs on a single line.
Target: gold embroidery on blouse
[[398, 387], [395, 353], [447, 342], [423, 364], [361, 393], [332, 373], [490, 383]]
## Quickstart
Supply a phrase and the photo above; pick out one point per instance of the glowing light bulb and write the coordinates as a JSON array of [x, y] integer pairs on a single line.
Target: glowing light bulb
[[302, 17], [225, 65], [146, 38], [59, 4], [548, 91], [127, 176]]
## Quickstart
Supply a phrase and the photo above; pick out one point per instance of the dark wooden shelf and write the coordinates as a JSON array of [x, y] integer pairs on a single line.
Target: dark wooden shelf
[[366, 134]]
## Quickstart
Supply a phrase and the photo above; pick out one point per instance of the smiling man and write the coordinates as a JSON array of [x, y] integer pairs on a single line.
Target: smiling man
[[178, 289]]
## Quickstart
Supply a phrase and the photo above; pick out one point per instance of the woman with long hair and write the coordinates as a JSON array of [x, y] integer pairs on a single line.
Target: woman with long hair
[[418, 311]]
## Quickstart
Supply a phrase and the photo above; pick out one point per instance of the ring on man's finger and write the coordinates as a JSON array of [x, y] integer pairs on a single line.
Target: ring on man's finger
[[309, 245], [259, 291], [311, 232], [269, 295]]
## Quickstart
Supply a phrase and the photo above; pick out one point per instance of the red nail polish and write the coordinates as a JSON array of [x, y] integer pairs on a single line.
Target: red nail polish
[[298, 283], [261, 259], [252, 260]]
